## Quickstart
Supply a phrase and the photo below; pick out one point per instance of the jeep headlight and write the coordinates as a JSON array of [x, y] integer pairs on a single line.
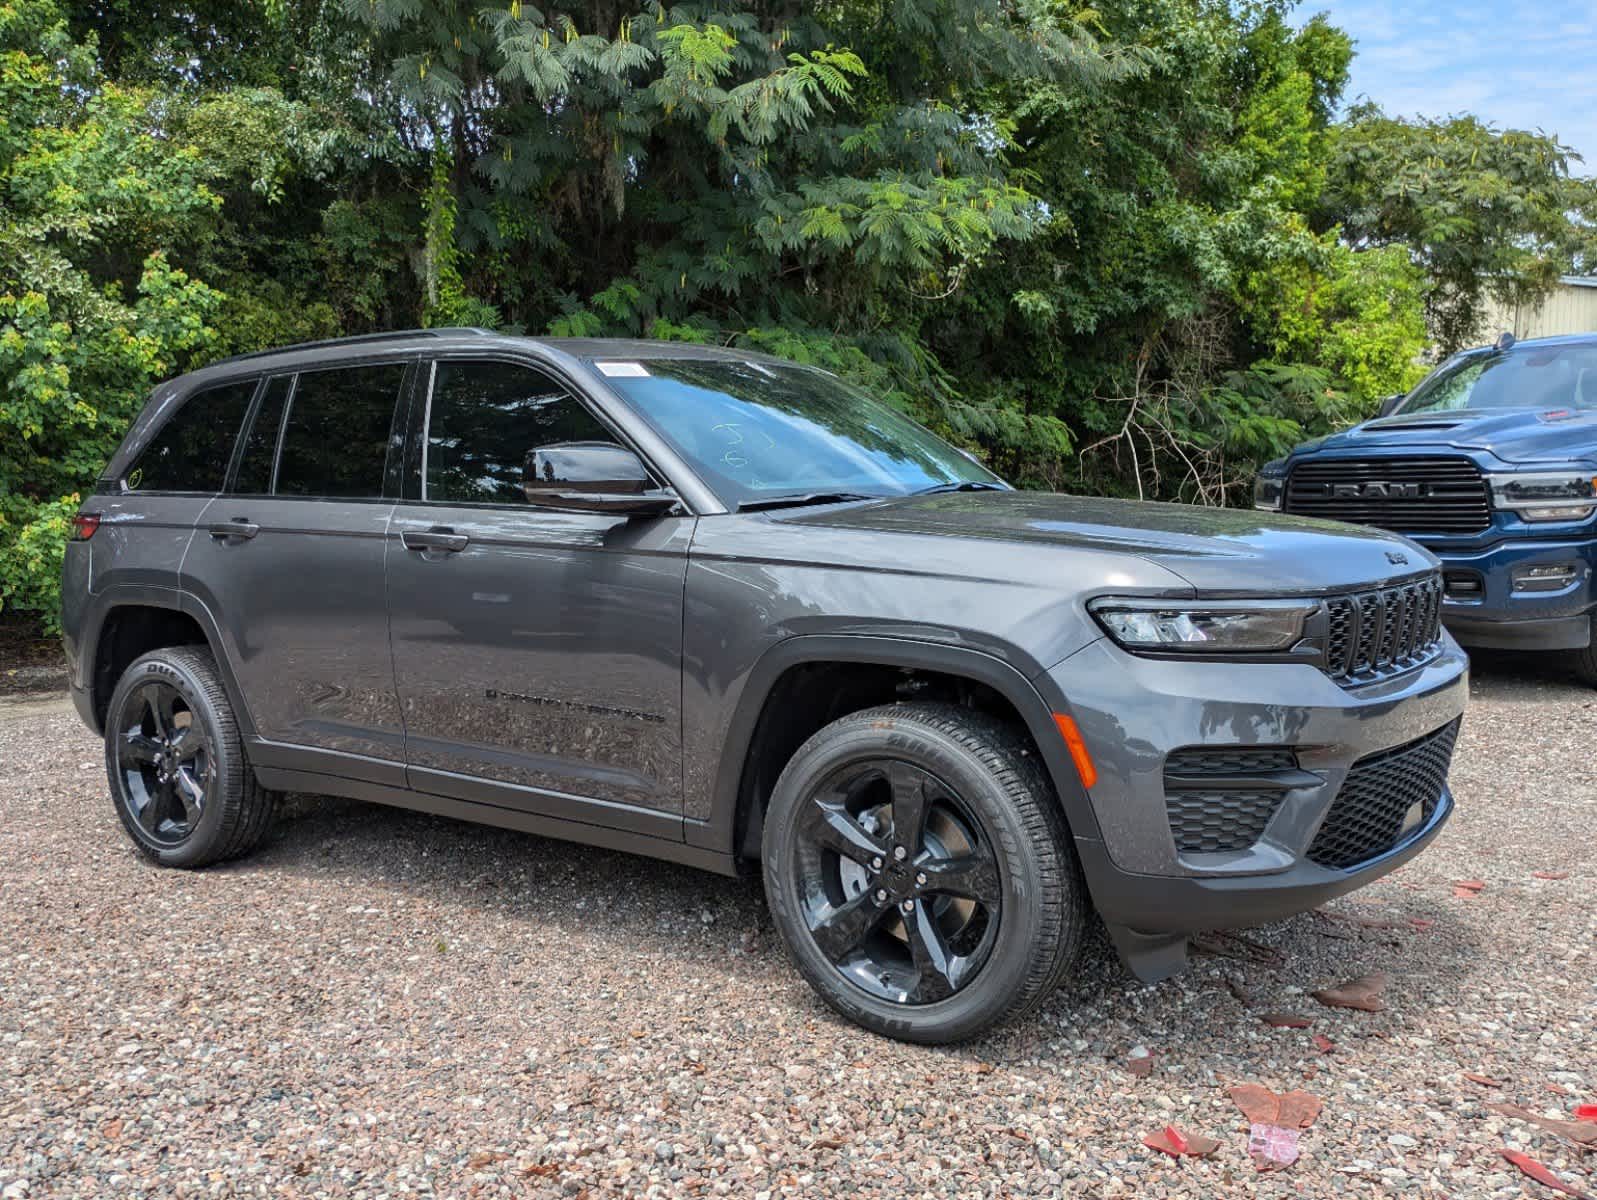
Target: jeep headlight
[[1269, 485], [1204, 627], [1545, 495]]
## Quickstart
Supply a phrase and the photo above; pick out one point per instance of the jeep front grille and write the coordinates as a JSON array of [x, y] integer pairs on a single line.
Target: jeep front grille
[[1406, 495], [1379, 633], [1367, 817]]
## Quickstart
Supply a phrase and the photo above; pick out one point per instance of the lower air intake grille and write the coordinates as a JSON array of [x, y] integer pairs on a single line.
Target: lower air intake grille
[[1222, 798], [1207, 822], [1366, 819]]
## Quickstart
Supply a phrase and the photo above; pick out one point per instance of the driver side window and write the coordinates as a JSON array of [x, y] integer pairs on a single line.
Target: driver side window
[[484, 421]]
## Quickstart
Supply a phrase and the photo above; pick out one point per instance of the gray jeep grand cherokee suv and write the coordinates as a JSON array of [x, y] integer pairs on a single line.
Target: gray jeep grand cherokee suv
[[720, 608]]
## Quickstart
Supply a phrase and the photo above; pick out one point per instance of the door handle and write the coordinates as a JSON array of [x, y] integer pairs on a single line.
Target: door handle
[[446, 540], [238, 528]]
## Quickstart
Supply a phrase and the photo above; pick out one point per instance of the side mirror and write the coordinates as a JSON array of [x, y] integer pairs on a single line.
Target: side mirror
[[592, 477], [1390, 404]]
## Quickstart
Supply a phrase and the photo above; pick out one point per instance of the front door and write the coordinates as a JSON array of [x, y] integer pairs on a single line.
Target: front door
[[538, 654], [290, 559]]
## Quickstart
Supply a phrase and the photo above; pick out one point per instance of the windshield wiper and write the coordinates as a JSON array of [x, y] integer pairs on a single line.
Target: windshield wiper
[[799, 499], [965, 485]]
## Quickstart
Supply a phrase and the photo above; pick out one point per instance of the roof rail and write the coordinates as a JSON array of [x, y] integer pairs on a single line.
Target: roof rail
[[362, 339]]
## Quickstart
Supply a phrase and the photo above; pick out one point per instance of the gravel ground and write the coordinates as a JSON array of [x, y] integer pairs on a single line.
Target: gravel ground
[[382, 1003]]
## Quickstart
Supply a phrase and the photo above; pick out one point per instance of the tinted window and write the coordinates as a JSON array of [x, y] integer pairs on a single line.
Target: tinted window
[[260, 443], [191, 451], [335, 440], [485, 418], [1526, 376]]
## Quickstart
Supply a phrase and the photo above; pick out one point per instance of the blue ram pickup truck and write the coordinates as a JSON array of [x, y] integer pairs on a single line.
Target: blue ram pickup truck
[[1491, 464]]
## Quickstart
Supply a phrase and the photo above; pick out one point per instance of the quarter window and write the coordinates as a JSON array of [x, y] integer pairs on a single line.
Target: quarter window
[[191, 451], [336, 433], [484, 421], [254, 475]]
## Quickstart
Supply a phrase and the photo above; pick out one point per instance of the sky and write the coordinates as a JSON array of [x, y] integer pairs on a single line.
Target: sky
[[1516, 65]]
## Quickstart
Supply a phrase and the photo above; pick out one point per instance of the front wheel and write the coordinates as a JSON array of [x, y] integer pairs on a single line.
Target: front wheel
[[919, 870]]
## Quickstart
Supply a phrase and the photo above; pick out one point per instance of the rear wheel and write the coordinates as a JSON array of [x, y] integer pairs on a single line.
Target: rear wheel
[[179, 777], [920, 873]]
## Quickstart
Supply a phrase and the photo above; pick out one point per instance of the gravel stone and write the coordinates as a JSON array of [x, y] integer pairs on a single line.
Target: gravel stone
[[384, 1004]]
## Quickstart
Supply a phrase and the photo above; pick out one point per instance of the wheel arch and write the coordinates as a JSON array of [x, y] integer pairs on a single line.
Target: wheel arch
[[133, 621], [757, 741]]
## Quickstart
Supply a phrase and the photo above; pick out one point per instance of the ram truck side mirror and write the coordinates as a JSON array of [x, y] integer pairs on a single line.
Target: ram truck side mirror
[[592, 477], [1390, 404]]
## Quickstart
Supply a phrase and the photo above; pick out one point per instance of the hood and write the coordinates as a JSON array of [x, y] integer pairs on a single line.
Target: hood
[[1215, 550], [1520, 436]]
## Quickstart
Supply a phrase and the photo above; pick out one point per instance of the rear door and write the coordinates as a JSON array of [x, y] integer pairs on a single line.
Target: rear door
[[290, 563], [538, 654]]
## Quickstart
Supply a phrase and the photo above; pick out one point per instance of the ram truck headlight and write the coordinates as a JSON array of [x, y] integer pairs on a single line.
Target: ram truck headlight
[[1546, 495], [1269, 486], [1204, 627]]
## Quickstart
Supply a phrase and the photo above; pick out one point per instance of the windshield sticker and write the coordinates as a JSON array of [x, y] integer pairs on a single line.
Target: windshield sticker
[[623, 370]]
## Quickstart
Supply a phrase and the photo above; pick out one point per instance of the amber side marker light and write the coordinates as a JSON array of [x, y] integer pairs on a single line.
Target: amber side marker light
[[84, 525], [1078, 749]]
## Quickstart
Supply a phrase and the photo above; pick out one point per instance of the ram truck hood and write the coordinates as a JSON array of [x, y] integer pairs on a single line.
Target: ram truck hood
[[1518, 436], [1218, 551]]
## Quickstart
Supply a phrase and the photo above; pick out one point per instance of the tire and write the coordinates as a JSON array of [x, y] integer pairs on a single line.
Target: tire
[[1584, 660], [961, 959], [180, 780]]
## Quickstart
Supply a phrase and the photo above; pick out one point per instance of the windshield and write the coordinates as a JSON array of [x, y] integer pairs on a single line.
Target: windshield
[[757, 430], [1540, 377]]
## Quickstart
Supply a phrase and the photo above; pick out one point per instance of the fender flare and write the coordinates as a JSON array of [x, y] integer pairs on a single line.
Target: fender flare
[[1036, 710], [130, 595]]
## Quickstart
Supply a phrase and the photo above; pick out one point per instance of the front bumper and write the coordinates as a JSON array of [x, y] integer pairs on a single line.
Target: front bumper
[[1133, 712], [1499, 617]]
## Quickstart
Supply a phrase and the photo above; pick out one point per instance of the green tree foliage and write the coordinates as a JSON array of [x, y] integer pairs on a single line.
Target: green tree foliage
[[1128, 248]]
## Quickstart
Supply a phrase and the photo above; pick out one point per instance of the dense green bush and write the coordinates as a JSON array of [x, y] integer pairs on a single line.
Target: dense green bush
[[1129, 248]]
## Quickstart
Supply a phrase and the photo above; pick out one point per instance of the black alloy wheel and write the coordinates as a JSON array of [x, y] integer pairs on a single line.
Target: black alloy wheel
[[918, 867], [901, 890], [164, 759]]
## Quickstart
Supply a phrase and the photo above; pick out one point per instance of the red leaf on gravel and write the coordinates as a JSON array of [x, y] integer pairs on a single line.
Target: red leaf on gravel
[[1173, 1142], [1468, 889], [1282, 1020], [1261, 1106], [1483, 1080], [1421, 923], [1140, 1065], [1362, 993], [1550, 874], [1582, 1133], [1541, 1174], [1326, 1045], [1586, 1112]]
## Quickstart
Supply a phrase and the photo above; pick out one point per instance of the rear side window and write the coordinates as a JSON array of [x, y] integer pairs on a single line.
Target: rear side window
[[484, 420], [260, 441], [335, 439], [190, 452]]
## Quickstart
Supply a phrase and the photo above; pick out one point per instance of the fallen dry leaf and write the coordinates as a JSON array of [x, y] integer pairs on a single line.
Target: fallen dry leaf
[[1483, 1080], [537, 1169], [1541, 1174], [1281, 1020], [485, 1158], [1586, 1112], [1326, 1045], [1229, 944], [1550, 874], [1582, 1133], [1468, 889], [1261, 1106], [1140, 1065], [1173, 1142], [1362, 993], [1271, 1147], [1421, 923]]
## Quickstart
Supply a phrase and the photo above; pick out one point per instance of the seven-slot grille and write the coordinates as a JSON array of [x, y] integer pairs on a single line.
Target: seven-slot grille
[[1406, 495], [1381, 632], [1368, 816]]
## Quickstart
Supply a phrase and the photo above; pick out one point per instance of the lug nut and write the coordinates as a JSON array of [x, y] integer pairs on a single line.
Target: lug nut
[[908, 906], [900, 853], [881, 895], [920, 879], [876, 863]]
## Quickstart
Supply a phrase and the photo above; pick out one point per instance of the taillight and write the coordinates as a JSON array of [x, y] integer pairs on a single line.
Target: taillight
[[84, 525]]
